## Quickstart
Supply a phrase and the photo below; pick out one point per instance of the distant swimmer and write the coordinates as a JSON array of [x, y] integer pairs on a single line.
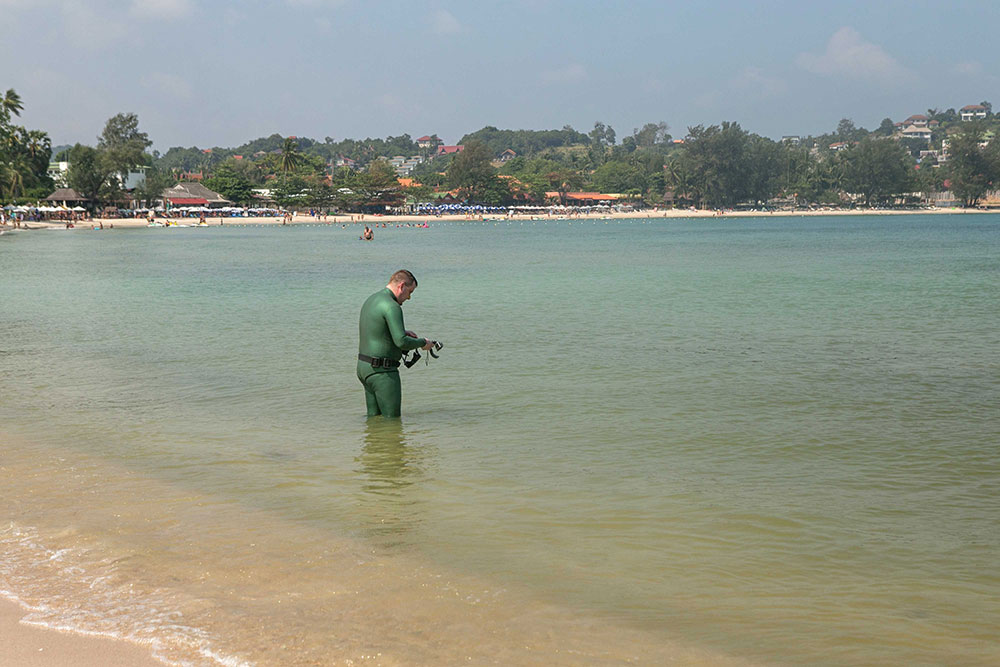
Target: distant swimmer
[[368, 234], [383, 340]]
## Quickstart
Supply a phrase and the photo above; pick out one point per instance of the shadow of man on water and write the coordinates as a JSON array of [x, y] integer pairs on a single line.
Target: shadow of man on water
[[389, 468]]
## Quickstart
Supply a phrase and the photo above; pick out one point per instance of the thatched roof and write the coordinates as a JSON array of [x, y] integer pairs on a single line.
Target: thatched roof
[[66, 194], [191, 191]]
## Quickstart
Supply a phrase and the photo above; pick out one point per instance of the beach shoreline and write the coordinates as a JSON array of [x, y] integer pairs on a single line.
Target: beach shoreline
[[371, 614], [29, 645], [403, 219]]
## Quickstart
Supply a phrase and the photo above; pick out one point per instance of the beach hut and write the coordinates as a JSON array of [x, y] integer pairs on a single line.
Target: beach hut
[[193, 194], [67, 197]]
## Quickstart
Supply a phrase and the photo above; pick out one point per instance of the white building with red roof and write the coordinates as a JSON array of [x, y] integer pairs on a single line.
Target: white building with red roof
[[973, 112], [429, 141]]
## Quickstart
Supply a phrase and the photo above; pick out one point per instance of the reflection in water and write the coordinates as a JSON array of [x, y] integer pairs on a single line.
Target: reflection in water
[[390, 468]]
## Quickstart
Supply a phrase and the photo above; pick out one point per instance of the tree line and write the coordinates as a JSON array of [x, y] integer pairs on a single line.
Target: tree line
[[723, 166], [716, 166]]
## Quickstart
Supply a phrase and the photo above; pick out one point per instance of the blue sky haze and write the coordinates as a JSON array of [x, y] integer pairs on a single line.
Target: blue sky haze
[[226, 71]]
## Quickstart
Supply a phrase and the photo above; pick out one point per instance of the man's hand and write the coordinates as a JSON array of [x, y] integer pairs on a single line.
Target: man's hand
[[429, 345]]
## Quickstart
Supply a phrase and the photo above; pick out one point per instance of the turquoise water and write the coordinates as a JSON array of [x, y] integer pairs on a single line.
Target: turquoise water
[[772, 440]]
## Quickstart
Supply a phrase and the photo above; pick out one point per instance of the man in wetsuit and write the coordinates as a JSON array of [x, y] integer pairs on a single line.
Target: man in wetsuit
[[383, 340]]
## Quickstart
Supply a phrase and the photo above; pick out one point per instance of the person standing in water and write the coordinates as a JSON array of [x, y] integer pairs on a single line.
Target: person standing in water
[[383, 340]]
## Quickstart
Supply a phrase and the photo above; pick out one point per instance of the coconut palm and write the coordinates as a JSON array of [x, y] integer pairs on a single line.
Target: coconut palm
[[678, 178], [37, 142], [10, 104], [13, 176], [290, 157]]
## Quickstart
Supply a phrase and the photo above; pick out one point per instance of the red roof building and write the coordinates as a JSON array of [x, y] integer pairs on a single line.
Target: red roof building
[[973, 111], [428, 141], [919, 120]]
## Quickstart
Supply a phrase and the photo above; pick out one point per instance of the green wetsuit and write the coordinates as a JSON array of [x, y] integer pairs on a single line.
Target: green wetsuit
[[382, 335]]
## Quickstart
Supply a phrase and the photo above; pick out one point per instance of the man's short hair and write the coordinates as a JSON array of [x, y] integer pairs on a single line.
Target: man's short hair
[[403, 276]]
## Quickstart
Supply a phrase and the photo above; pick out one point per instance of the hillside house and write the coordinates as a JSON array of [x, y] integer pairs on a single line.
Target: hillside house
[[972, 112], [916, 132], [429, 142], [932, 154], [405, 165], [942, 156]]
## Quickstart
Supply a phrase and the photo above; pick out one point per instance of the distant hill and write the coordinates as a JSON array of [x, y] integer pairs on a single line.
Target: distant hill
[[526, 142], [363, 151], [56, 150]]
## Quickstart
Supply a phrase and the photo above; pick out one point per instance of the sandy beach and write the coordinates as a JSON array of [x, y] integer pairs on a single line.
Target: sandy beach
[[390, 220], [27, 645]]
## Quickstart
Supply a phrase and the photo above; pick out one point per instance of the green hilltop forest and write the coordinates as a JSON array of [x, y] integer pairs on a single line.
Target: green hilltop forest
[[716, 166]]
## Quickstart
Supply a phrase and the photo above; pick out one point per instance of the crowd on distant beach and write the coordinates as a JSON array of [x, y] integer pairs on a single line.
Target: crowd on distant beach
[[216, 217]]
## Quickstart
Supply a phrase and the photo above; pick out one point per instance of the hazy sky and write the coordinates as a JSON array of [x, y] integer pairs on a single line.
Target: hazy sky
[[222, 72]]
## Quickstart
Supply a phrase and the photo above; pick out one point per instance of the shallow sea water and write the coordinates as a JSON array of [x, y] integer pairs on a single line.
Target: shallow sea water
[[735, 441]]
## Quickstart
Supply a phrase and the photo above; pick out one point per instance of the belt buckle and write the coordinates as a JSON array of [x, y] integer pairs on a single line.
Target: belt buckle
[[376, 362]]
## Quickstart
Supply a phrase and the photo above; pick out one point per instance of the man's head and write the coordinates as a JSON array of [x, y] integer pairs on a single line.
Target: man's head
[[402, 285]]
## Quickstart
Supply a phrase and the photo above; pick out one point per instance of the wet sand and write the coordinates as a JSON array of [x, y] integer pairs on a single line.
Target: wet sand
[[27, 645]]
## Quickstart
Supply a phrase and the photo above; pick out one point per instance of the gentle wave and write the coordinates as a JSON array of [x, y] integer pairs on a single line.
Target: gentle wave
[[66, 589]]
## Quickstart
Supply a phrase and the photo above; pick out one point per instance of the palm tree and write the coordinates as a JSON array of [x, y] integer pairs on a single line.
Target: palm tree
[[10, 104], [37, 145], [290, 157], [13, 178], [677, 177]]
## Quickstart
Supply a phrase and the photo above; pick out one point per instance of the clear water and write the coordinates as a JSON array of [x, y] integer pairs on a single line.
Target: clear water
[[767, 441]]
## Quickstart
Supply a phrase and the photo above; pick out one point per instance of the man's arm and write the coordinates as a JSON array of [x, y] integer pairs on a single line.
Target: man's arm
[[394, 319]]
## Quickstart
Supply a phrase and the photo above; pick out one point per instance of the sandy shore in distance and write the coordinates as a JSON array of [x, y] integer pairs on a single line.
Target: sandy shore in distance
[[33, 646], [369, 219]]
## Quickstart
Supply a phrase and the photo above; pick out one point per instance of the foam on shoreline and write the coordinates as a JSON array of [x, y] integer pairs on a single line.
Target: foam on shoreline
[[26, 643]]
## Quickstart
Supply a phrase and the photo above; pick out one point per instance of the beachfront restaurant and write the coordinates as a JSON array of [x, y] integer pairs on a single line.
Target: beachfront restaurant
[[193, 194], [68, 198]]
